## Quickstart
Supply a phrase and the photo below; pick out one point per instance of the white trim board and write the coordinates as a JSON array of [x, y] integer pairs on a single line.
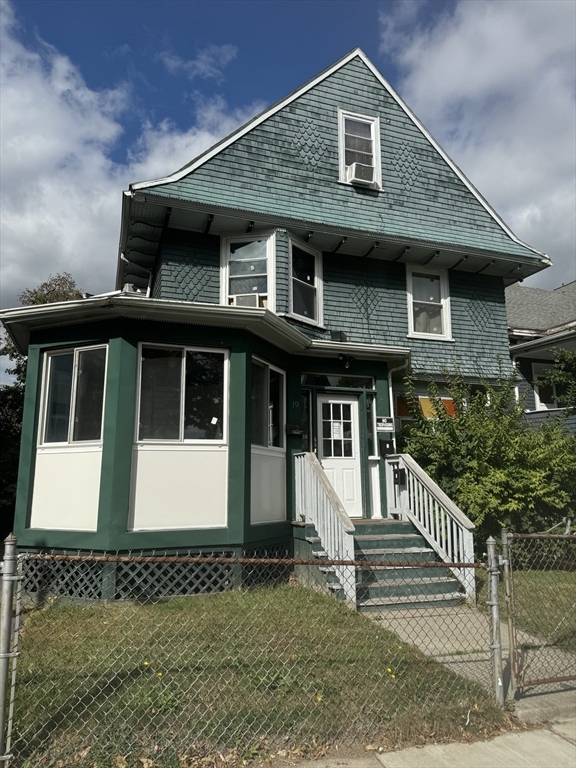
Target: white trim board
[[355, 53]]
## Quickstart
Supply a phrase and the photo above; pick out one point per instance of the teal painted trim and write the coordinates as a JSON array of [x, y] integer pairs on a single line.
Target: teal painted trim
[[28, 442], [239, 453], [364, 466], [383, 408], [268, 532], [118, 440]]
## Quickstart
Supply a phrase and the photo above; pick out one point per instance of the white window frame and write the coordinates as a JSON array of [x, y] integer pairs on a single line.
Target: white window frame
[[270, 238], [180, 440], [318, 283], [537, 370], [375, 135], [48, 356], [444, 302], [273, 448]]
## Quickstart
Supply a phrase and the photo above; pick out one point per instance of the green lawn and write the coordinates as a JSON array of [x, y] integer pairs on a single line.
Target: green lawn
[[543, 604], [250, 672]]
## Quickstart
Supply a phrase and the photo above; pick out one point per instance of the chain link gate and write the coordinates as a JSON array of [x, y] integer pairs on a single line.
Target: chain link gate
[[540, 587]]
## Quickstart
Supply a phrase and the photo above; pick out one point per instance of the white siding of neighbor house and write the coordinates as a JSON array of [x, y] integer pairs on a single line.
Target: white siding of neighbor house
[[67, 488], [178, 487], [268, 486]]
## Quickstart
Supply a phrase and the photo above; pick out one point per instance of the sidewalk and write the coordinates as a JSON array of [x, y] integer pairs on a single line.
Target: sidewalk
[[551, 747]]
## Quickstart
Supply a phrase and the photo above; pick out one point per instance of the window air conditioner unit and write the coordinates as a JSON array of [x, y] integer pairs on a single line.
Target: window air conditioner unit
[[360, 174], [246, 300]]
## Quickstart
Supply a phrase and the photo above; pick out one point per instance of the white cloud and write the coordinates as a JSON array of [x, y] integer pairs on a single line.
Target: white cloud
[[495, 84], [208, 63], [60, 189]]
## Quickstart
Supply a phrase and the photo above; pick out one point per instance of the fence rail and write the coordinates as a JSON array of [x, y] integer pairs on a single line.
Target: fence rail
[[416, 497]]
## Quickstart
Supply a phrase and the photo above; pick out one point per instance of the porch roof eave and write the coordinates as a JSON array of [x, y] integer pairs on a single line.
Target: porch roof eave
[[21, 322]]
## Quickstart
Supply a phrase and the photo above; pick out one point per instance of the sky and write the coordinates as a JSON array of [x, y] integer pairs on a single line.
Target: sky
[[97, 94]]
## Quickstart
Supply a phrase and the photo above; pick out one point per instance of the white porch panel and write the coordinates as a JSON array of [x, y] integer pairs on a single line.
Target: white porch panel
[[67, 488], [267, 485], [179, 487]]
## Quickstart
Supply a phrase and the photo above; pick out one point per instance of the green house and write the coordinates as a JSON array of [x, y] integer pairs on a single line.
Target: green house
[[270, 297]]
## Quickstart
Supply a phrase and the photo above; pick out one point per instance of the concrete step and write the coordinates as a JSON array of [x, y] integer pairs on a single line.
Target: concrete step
[[411, 601]]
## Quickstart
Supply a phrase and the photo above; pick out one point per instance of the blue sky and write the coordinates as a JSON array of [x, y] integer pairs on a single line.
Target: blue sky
[[96, 95]]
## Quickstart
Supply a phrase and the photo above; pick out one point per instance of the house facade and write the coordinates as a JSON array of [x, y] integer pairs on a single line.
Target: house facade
[[540, 322], [270, 297]]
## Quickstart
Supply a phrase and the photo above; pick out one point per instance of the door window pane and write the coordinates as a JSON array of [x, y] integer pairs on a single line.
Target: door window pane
[[204, 396], [89, 394], [59, 398], [160, 394]]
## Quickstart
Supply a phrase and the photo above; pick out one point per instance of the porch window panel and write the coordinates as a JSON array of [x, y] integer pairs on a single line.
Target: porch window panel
[[204, 396], [276, 398], [160, 394], [259, 405], [59, 398], [89, 394]]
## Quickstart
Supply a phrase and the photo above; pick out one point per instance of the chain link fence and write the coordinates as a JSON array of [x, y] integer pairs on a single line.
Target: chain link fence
[[138, 660], [541, 588]]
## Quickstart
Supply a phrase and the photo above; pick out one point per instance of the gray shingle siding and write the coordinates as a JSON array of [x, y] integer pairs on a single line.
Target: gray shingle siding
[[288, 166], [189, 268], [365, 298]]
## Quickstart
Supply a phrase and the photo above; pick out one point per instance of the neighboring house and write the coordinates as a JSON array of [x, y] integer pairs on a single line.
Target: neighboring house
[[270, 297], [539, 322]]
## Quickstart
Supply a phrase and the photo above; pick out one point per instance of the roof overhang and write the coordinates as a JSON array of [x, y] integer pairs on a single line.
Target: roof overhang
[[146, 217], [544, 346], [21, 322]]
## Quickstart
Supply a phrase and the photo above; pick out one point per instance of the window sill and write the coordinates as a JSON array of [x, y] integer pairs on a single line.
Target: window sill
[[430, 337], [371, 187], [544, 410]]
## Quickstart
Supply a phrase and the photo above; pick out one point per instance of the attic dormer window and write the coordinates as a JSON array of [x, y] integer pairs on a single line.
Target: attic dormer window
[[359, 149]]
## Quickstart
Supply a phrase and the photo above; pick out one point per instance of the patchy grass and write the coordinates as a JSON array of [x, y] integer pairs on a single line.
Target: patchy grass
[[543, 603], [236, 674]]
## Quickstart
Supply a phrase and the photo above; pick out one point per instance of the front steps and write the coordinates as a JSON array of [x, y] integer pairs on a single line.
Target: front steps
[[377, 589]]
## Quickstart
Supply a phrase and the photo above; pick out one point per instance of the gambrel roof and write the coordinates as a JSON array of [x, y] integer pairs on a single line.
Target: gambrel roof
[[284, 164]]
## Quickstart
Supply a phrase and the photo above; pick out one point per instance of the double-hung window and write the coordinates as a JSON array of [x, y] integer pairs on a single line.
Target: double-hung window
[[267, 405], [428, 304], [306, 288], [74, 395], [248, 271], [183, 393], [359, 149]]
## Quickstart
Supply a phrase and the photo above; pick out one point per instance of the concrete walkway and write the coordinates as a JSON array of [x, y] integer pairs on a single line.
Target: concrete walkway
[[552, 747]]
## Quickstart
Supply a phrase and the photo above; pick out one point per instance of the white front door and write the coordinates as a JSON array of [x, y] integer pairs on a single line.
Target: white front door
[[339, 448]]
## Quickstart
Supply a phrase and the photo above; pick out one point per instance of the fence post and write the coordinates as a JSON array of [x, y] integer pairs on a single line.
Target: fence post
[[507, 563], [8, 579], [493, 602]]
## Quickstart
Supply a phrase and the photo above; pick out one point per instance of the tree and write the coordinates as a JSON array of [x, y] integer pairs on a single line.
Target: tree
[[496, 468], [60, 287]]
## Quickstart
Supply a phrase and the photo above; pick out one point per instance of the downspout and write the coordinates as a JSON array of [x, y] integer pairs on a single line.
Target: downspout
[[391, 393]]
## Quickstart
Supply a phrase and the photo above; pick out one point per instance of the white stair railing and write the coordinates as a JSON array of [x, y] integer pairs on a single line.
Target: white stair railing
[[317, 503], [414, 496]]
